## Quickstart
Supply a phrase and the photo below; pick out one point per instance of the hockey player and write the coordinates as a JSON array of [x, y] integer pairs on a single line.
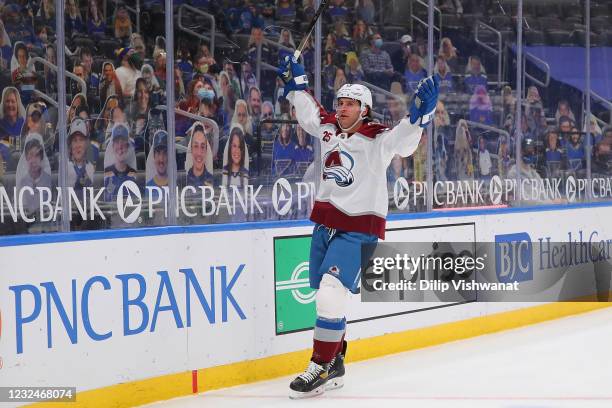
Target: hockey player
[[351, 204]]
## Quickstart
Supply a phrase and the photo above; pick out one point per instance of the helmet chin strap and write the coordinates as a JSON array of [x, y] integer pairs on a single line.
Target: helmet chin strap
[[360, 118]]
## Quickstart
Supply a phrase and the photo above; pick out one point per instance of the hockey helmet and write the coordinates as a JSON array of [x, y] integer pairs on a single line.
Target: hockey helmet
[[357, 92]]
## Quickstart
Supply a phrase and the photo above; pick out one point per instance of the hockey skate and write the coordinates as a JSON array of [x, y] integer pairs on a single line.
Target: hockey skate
[[310, 383], [335, 378]]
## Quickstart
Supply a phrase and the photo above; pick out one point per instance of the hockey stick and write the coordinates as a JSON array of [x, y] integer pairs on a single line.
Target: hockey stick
[[311, 27], [286, 77]]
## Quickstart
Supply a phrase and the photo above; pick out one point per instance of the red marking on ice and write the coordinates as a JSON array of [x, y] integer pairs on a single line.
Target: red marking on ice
[[194, 381]]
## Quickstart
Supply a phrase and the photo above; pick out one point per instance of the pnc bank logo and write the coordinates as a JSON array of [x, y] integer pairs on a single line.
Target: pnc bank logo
[[401, 193], [570, 189], [129, 202], [282, 196], [496, 190]]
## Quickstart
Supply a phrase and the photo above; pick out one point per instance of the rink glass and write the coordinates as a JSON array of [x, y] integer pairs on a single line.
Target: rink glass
[[559, 135]]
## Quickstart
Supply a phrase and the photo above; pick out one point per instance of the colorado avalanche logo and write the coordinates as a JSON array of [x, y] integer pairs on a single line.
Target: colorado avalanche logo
[[338, 166]]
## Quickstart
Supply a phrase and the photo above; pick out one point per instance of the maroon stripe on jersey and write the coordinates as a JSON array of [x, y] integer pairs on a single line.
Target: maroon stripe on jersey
[[371, 129], [330, 216], [327, 118]]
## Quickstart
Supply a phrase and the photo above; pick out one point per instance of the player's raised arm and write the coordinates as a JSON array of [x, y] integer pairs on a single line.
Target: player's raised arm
[[307, 110], [404, 138]]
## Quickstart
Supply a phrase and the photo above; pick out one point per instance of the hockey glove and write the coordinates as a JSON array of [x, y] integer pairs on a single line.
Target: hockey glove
[[293, 75], [423, 104]]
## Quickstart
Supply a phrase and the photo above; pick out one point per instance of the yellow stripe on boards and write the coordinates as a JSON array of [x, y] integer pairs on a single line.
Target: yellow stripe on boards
[[176, 385], [130, 394]]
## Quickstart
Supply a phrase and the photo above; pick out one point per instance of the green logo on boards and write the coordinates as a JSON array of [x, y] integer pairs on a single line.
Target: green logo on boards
[[295, 300]]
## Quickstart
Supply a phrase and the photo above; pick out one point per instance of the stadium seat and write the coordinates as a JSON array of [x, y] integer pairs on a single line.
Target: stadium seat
[[572, 21], [500, 22], [391, 47], [533, 37], [141, 161], [550, 23], [606, 38], [100, 162], [97, 64], [600, 9], [572, 10], [452, 22], [596, 40], [84, 42], [37, 52], [508, 35], [12, 164], [469, 20], [553, 169], [531, 23], [487, 37], [393, 33], [242, 40], [579, 38], [202, 21], [558, 37], [546, 10], [398, 13], [600, 22], [108, 46]]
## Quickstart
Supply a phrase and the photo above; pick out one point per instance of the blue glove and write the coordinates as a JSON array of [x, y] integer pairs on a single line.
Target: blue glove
[[293, 75], [423, 104]]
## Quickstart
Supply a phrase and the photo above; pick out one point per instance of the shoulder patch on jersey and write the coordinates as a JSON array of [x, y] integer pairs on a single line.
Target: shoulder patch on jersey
[[372, 130]]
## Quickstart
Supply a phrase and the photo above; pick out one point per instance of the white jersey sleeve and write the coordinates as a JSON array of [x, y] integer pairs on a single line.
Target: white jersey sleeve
[[403, 140], [307, 110]]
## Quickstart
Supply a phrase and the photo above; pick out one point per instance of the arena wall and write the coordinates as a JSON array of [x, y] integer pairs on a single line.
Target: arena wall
[[130, 317]]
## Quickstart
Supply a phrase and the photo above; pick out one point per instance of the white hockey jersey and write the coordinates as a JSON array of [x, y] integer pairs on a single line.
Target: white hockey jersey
[[353, 193]]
